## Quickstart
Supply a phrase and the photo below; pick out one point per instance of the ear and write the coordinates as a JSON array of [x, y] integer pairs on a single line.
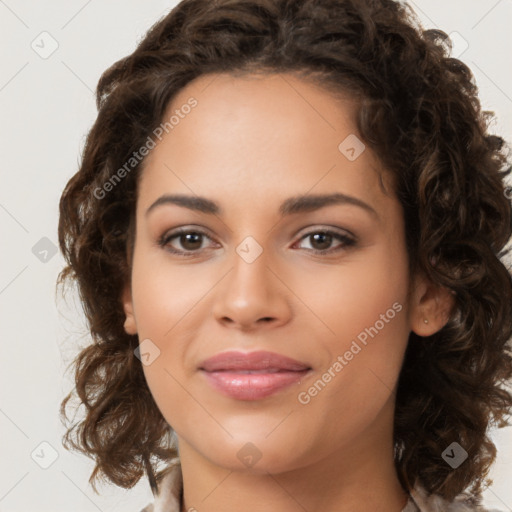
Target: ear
[[130, 325], [430, 307]]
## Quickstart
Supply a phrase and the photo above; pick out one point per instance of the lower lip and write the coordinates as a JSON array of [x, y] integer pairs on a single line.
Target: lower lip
[[252, 386]]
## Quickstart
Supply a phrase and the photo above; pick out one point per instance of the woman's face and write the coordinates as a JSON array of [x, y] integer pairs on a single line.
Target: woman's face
[[253, 277]]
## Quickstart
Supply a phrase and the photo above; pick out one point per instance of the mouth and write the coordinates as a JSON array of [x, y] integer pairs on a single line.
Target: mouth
[[253, 375]]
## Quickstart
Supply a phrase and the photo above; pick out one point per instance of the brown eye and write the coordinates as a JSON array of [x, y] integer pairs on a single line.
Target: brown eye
[[321, 241], [183, 242], [190, 241]]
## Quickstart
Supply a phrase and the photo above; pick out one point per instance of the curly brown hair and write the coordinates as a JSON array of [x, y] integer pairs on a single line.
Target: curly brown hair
[[418, 111]]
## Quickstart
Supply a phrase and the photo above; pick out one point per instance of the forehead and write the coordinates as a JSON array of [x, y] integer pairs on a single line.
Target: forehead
[[275, 134], [280, 107]]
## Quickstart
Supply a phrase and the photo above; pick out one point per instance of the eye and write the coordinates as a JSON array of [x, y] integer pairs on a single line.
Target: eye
[[190, 240], [321, 240]]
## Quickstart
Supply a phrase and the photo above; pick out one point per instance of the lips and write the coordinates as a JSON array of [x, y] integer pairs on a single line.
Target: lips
[[253, 375], [254, 361]]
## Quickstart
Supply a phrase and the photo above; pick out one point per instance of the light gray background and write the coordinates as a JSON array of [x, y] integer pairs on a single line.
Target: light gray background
[[46, 108]]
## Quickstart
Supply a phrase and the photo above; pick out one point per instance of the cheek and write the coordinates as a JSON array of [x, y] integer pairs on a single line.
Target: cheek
[[366, 311], [165, 293], [363, 308], [167, 301], [351, 297]]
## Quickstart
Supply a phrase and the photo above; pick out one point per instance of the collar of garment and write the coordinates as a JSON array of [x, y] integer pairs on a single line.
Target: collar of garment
[[171, 488]]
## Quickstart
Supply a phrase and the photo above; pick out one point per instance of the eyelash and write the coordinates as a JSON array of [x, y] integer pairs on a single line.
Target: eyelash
[[166, 238]]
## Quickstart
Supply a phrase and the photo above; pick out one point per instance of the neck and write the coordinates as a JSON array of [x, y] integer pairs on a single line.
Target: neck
[[358, 477]]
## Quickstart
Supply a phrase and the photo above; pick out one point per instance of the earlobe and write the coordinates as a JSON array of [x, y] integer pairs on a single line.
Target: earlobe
[[431, 307], [130, 325]]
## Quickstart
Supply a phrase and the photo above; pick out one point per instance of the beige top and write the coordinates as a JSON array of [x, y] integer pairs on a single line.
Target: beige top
[[169, 498]]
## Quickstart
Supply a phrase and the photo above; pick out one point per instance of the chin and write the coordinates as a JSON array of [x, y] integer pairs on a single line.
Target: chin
[[256, 456]]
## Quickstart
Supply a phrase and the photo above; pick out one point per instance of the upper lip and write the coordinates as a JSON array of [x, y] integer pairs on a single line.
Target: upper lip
[[259, 360]]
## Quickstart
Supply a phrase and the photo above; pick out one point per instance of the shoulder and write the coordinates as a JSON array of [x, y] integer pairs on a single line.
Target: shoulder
[[168, 498], [170, 487], [435, 503]]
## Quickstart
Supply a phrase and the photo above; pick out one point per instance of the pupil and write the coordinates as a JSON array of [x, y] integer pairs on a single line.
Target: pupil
[[324, 238], [188, 240]]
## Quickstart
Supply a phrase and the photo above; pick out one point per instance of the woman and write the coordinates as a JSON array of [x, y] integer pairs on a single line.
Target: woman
[[287, 232]]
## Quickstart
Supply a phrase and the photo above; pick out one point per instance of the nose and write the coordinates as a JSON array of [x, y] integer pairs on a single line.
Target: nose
[[252, 296]]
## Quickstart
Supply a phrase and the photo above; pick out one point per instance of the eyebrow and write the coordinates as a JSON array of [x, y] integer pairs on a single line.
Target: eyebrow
[[292, 205]]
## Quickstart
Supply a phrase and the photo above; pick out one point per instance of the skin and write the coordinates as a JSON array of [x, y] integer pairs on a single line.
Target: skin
[[249, 144]]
